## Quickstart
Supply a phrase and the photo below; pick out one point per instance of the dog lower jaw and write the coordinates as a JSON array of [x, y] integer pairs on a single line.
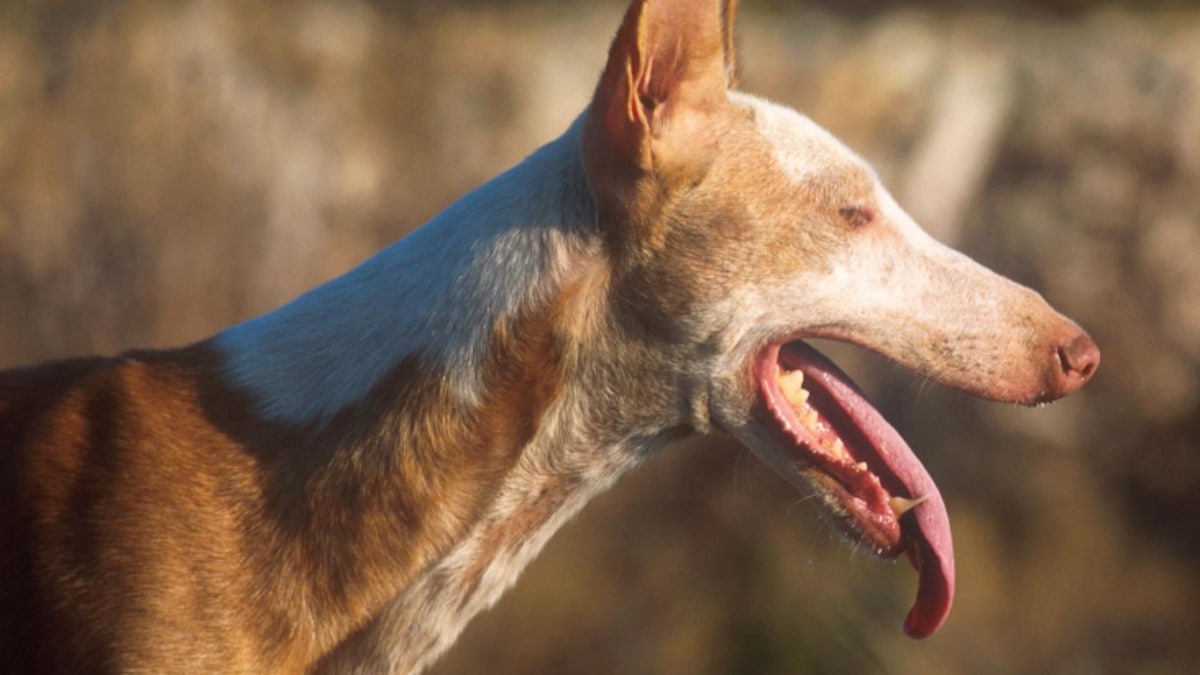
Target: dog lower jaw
[[876, 490], [854, 516]]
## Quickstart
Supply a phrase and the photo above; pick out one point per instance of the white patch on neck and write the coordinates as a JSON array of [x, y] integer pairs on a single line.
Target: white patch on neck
[[433, 616], [435, 295]]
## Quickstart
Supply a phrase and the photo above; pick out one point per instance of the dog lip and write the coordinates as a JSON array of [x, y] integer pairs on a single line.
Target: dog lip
[[846, 476], [924, 532]]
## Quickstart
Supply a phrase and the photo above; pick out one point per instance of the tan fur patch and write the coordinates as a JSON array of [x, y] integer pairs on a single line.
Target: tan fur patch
[[164, 509]]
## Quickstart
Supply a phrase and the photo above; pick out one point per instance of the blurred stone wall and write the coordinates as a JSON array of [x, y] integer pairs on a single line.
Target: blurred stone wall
[[167, 169]]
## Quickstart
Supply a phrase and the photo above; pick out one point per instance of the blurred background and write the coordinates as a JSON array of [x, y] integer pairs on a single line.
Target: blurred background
[[169, 168]]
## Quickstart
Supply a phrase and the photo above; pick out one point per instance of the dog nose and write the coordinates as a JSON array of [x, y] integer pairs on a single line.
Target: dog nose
[[1077, 361]]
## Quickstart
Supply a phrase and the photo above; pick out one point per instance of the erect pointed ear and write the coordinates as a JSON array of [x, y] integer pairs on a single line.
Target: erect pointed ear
[[732, 74], [654, 111]]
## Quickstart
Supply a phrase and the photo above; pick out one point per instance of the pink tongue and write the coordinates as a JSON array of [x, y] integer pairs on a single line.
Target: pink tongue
[[933, 556], [926, 527]]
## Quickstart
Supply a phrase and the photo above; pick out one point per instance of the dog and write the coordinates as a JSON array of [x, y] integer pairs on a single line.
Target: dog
[[341, 484]]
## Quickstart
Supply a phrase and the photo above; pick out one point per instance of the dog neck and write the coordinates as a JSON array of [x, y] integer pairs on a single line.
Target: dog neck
[[461, 363], [437, 294]]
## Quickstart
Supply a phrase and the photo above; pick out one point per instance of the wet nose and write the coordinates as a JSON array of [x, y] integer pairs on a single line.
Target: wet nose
[[1078, 359]]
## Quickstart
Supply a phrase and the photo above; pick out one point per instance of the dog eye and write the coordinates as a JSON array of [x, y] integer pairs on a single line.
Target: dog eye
[[857, 216]]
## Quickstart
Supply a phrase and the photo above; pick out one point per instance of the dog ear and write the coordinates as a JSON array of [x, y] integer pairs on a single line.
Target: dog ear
[[729, 15], [651, 124]]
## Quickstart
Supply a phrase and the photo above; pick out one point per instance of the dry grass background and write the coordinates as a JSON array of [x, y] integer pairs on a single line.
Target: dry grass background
[[167, 169]]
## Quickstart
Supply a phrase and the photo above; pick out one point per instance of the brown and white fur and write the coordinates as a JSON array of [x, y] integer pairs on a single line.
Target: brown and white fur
[[341, 484]]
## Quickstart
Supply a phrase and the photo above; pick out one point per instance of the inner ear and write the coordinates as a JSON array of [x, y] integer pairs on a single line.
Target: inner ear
[[728, 16], [655, 119], [666, 64]]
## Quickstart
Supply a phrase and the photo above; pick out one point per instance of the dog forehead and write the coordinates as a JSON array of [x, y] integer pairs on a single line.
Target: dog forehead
[[802, 148]]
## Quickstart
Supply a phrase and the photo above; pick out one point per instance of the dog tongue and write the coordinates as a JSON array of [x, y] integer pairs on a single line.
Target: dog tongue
[[932, 553], [927, 527]]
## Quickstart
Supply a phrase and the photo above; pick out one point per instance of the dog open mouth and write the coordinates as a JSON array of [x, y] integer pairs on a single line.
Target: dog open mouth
[[875, 487]]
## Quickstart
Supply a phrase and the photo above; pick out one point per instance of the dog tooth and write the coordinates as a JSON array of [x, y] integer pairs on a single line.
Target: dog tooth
[[902, 505], [808, 416], [791, 384], [837, 447], [861, 467]]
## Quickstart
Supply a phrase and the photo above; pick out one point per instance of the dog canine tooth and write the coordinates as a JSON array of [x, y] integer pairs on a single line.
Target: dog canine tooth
[[902, 505]]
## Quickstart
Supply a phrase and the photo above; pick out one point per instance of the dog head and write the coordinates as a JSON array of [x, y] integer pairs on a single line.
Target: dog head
[[736, 228]]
